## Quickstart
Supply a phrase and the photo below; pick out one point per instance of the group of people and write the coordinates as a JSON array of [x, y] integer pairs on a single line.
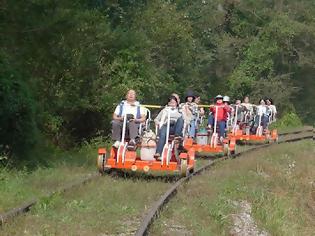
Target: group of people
[[184, 118]]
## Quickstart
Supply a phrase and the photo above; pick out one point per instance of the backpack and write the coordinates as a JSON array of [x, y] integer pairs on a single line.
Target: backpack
[[121, 107]]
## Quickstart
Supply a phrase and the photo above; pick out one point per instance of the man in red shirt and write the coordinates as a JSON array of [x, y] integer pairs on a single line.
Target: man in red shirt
[[219, 112]]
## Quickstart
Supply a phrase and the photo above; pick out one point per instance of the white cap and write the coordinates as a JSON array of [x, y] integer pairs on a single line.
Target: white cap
[[226, 99]]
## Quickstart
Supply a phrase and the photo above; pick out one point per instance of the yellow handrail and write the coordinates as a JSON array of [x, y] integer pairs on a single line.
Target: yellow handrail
[[158, 106], [152, 106]]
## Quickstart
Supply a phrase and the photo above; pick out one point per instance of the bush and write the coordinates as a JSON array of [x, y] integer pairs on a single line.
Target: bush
[[290, 119], [17, 114]]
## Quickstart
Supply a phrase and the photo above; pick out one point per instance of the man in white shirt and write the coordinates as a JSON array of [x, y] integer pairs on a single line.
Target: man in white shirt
[[135, 115]]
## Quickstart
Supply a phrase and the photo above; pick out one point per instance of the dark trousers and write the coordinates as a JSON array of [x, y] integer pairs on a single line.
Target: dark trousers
[[176, 129], [264, 121], [132, 128]]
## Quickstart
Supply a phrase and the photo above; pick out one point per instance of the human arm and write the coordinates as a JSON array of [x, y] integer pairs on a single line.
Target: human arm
[[116, 114], [158, 118]]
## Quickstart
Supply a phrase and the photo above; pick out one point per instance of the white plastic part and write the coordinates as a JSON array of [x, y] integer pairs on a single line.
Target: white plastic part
[[215, 133], [259, 128], [122, 137], [124, 153], [235, 120], [169, 152], [147, 153]]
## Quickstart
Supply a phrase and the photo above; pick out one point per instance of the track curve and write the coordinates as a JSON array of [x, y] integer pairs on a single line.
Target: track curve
[[153, 212]]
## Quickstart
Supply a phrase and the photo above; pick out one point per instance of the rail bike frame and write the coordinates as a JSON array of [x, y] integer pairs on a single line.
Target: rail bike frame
[[213, 147], [239, 134], [122, 158]]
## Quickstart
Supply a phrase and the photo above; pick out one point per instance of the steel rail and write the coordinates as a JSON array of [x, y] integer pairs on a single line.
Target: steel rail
[[157, 207], [26, 206]]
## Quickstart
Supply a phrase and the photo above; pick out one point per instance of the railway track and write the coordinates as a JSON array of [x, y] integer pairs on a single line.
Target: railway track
[[152, 213]]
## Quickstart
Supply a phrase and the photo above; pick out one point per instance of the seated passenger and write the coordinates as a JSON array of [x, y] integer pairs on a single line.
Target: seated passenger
[[176, 124], [190, 113], [249, 111], [135, 115], [226, 101], [262, 115], [200, 112], [223, 111], [240, 111]]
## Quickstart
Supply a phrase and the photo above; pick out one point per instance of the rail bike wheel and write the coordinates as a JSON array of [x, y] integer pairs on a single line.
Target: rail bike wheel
[[101, 161], [184, 168]]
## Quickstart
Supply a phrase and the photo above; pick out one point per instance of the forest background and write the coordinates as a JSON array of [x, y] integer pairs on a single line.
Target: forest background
[[64, 65]]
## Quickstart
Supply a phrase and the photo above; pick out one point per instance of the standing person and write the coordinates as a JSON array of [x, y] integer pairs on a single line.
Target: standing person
[[272, 110], [221, 115], [176, 124], [135, 115]]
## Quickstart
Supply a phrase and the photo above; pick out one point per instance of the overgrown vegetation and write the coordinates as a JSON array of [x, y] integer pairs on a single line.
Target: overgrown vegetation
[[288, 120], [62, 168], [64, 64]]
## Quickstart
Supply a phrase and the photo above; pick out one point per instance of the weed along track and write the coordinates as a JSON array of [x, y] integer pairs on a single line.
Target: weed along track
[[110, 205], [155, 210]]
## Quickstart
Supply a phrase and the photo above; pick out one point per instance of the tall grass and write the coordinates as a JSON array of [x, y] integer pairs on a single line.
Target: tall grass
[[48, 169]]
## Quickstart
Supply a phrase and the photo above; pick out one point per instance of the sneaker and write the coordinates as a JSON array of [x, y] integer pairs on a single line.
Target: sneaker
[[132, 142], [131, 145], [116, 144], [178, 139]]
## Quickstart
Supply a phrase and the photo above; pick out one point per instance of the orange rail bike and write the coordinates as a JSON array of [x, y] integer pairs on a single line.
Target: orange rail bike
[[208, 143], [141, 158], [241, 130]]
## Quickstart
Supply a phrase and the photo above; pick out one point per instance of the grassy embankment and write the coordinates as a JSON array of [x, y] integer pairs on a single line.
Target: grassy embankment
[[278, 182], [106, 206], [20, 185], [56, 169]]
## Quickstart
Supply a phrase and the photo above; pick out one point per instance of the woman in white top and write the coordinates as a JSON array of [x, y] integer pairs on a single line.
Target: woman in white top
[[176, 123], [261, 114], [272, 110]]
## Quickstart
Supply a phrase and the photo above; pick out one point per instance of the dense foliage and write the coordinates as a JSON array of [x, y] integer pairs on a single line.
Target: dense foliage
[[64, 64]]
